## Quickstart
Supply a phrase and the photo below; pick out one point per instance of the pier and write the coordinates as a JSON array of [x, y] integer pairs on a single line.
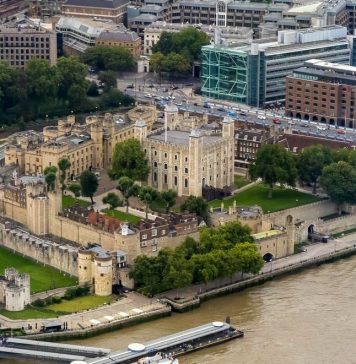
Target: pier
[[176, 344], [46, 351]]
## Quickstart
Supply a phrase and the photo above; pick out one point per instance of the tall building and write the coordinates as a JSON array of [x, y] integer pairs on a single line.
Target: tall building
[[324, 92], [20, 44], [255, 73]]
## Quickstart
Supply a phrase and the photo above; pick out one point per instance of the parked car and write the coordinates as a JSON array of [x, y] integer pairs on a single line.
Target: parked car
[[261, 117], [341, 131], [276, 121]]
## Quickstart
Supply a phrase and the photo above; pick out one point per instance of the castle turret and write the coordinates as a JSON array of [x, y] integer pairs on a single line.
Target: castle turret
[[109, 123], [195, 182], [85, 273], [103, 275], [97, 134], [140, 130], [170, 116]]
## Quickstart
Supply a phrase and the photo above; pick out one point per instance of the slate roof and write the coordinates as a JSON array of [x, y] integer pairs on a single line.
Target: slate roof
[[122, 36]]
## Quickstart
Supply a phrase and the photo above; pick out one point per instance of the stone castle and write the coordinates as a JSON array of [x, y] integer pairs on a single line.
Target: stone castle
[[14, 290]]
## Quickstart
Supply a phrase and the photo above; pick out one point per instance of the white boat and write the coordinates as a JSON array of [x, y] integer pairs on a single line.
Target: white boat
[[158, 358]]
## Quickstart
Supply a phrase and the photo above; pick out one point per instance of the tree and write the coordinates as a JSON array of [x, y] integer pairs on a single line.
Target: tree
[[50, 177], [157, 63], [176, 63], [113, 200], [339, 182], [109, 58], [274, 164], [196, 205], [108, 78], [129, 160], [311, 162], [169, 198], [63, 165], [115, 98], [128, 188], [147, 194], [248, 258], [89, 184], [75, 189], [93, 90]]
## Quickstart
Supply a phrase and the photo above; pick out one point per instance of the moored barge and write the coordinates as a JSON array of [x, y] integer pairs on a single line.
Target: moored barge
[[174, 345]]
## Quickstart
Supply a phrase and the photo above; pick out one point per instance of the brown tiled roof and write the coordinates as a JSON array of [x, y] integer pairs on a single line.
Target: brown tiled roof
[[103, 222], [296, 142]]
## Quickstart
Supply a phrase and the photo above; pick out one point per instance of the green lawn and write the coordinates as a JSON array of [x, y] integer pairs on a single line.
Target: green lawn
[[123, 216], [80, 303], [28, 313], [257, 195], [240, 181], [58, 309], [43, 278], [68, 201]]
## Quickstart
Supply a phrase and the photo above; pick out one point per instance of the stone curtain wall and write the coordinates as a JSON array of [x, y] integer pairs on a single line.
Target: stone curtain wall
[[62, 257]]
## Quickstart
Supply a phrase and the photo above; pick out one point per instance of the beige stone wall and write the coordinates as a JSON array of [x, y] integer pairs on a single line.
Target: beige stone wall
[[276, 245], [102, 268], [62, 257]]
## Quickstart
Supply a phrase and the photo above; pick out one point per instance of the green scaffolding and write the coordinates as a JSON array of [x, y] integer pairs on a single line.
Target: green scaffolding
[[224, 73]]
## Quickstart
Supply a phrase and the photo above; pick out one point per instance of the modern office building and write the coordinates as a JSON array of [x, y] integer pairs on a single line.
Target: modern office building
[[255, 73], [78, 34], [20, 44], [324, 92]]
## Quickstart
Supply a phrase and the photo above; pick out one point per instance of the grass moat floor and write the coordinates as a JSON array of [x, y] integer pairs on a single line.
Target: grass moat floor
[[43, 278], [283, 198], [65, 307], [68, 201]]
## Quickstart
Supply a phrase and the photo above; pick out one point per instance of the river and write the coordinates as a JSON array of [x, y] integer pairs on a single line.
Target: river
[[306, 318]]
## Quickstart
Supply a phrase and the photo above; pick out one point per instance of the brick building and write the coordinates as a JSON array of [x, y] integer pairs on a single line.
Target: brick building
[[324, 92]]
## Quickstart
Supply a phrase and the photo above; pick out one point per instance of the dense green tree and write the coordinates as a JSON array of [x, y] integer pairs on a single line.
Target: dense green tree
[[157, 63], [109, 58], [147, 194], [311, 162], [50, 169], [176, 63], [50, 179], [108, 78], [129, 160], [197, 205], [93, 90], [75, 189], [113, 200], [169, 197], [89, 184], [128, 189], [249, 260], [63, 165], [339, 182], [115, 98], [274, 164], [340, 155]]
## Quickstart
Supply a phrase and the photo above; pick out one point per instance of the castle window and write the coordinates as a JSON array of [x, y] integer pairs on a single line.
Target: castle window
[[101, 274], [176, 157], [144, 236], [175, 180], [165, 166], [165, 178], [185, 170], [155, 176], [185, 182], [165, 155], [154, 164], [154, 232]]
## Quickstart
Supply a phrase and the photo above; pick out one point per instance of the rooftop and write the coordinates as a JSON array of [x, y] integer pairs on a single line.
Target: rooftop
[[108, 4], [182, 137], [119, 36], [266, 234]]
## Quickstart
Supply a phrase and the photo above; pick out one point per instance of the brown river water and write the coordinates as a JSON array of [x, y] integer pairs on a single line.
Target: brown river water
[[306, 318]]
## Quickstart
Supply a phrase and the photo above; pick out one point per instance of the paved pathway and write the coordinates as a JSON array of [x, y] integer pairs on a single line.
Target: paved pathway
[[132, 305]]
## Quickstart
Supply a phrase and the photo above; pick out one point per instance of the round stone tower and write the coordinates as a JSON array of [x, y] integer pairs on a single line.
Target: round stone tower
[[84, 266], [103, 275], [14, 298], [23, 281]]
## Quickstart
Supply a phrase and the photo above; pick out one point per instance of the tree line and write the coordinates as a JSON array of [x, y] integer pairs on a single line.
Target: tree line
[[333, 170], [219, 253], [176, 52], [41, 91]]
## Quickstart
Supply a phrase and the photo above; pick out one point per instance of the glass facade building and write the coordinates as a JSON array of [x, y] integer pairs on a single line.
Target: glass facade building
[[255, 73]]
